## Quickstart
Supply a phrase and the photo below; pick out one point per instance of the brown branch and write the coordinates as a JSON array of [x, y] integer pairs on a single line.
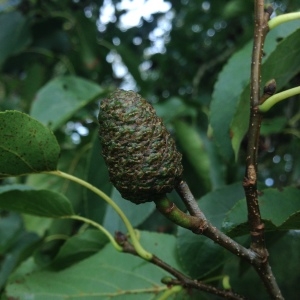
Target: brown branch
[[260, 263], [202, 226], [181, 279], [250, 181], [256, 225], [189, 200]]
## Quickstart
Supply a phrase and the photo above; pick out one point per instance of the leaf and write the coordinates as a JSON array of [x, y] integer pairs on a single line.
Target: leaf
[[26, 146], [79, 247], [173, 108], [15, 243], [22, 248], [107, 274], [14, 34], [193, 146], [42, 203], [70, 161], [131, 61], [216, 204], [280, 210], [10, 228], [284, 256], [272, 126], [231, 91], [282, 65], [97, 175], [195, 252], [60, 98], [231, 82], [137, 214]]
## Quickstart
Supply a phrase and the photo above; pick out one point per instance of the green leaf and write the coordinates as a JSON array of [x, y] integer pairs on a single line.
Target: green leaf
[[26, 146], [280, 210], [137, 214], [97, 175], [272, 126], [11, 226], [286, 247], [193, 146], [284, 256], [70, 161], [107, 274], [216, 204], [42, 203], [14, 34], [15, 243], [79, 247], [282, 64], [131, 61], [231, 91], [195, 252], [231, 82], [60, 98], [20, 250], [173, 108]]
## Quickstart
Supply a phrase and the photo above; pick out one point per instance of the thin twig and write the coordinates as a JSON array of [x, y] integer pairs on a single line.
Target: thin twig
[[189, 200], [203, 227], [181, 279], [260, 264]]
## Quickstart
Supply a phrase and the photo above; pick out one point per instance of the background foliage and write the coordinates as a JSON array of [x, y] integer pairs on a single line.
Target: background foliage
[[191, 60]]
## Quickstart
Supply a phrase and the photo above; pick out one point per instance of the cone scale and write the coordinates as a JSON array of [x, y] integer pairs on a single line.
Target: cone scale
[[141, 156]]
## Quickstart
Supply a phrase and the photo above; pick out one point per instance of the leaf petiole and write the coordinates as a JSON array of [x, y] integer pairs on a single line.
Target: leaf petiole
[[98, 226], [134, 239], [270, 102], [274, 22]]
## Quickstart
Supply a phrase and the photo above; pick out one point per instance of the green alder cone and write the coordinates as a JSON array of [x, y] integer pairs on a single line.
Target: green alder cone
[[140, 154]]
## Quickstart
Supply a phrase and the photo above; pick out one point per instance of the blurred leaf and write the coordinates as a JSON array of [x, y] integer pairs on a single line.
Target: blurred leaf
[[38, 225], [235, 8], [70, 161], [43, 203], [217, 168], [22, 248], [60, 98], [14, 34], [97, 175], [282, 65], [26, 146], [280, 210], [284, 268], [87, 35], [35, 77], [132, 277], [272, 126], [173, 108], [195, 252], [11, 226], [137, 214], [280, 248], [192, 144], [79, 247], [131, 61], [231, 91]]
